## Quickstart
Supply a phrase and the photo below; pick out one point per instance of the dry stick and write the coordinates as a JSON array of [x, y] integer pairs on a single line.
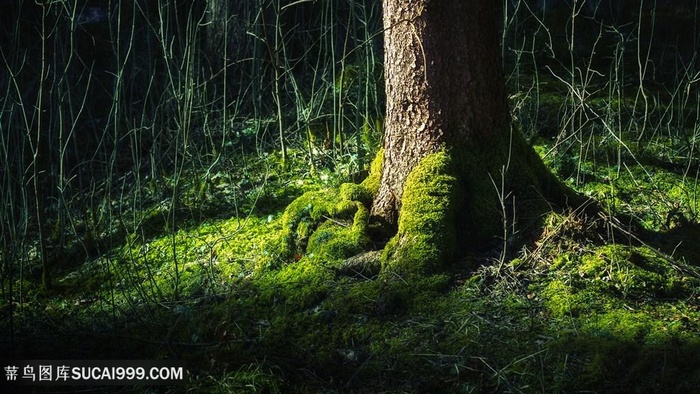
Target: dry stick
[[333, 59], [38, 200], [642, 69], [369, 73], [10, 229], [273, 52], [20, 232]]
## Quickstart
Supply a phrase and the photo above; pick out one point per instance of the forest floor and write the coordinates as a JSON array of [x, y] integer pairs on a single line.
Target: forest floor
[[587, 306]]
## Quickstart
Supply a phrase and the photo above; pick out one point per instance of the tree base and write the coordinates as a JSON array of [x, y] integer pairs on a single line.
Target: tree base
[[456, 202], [470, 198]]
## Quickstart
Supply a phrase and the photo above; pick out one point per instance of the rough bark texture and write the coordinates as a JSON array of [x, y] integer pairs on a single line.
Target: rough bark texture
[[444, 85], [455, 176]]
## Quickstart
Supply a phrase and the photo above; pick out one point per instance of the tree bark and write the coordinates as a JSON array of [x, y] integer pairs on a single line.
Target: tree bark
[[445, 93], [443, 85]]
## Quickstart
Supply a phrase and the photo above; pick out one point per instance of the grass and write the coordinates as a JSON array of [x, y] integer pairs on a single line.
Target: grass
[[576, 309]]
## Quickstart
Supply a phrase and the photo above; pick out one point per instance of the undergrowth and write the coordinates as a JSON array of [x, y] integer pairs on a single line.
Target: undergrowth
[[279, 301]]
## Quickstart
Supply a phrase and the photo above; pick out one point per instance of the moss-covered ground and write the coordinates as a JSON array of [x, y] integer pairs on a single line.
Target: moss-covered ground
[[278, 286], [291, 300]]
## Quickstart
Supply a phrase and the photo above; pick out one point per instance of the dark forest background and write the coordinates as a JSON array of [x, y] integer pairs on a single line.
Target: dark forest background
[[100, 96]]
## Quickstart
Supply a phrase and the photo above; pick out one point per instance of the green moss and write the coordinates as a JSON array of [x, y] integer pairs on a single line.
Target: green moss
[[426, 234], [333, 241], [299, 221], [625, 326], [298, 285], [610, 276], [190, 263], [326, 225], [355, 192], [635, 273], [371, 183], [558, 298], [344, 209], [616, 314], [622, 348]]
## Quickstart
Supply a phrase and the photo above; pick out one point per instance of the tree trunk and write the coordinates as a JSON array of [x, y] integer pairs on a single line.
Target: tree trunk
[[443, 84], [225, 41], [446, 97]]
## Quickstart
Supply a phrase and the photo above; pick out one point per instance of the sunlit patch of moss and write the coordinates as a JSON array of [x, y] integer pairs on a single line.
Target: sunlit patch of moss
[[298, 285], [187, 264], [327, 225], [628, 326], [236, 242], [318, 230], [566, 300], [617, 311], [299, 221], [371, 183], [559, 298], [355, 192], [634, 273], [562, 259], [603, 279], [426, 234], [334, 240]]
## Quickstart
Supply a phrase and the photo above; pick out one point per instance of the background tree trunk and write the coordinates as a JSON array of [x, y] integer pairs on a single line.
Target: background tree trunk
[[224, 43]]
